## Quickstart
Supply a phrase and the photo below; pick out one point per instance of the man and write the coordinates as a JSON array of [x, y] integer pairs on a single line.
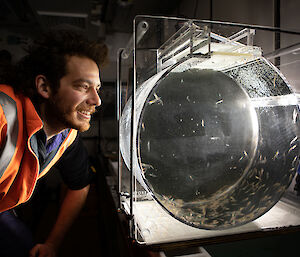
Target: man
[[52, 95]]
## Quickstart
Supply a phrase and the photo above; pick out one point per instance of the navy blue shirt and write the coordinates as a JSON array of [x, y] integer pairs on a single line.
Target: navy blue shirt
[[74, 166], [46, 150], [74, 163]]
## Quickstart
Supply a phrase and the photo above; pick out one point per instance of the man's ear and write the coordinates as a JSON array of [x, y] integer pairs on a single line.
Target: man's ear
[[42, 86]]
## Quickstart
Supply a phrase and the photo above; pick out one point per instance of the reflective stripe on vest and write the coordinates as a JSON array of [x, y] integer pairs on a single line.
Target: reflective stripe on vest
[[10, 110], [18, 164]]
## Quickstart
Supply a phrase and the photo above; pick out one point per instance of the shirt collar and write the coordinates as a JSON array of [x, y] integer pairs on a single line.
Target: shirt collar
[[54, 141]]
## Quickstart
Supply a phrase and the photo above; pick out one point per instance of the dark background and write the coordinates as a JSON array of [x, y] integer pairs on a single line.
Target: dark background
[[110, 21]]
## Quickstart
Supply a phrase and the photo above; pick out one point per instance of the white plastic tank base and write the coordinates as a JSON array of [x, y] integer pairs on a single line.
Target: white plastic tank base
[[216, 147]]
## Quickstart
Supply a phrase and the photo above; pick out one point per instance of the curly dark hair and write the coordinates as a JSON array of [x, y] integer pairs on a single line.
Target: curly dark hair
[[48, 56]]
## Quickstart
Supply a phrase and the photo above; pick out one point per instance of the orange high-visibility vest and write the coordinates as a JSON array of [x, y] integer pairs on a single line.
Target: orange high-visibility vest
[[19, 166]]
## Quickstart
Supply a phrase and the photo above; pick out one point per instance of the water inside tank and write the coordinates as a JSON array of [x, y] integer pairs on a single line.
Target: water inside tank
[[217, 149]]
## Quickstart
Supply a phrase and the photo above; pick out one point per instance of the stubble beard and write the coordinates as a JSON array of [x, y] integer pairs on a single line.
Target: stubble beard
[[62, 117]]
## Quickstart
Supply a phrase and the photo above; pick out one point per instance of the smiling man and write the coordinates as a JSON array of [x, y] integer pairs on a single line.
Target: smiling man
[[50, 97], [76, 99]]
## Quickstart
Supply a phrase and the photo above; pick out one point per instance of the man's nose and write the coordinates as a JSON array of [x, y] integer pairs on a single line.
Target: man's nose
[[94, 98]]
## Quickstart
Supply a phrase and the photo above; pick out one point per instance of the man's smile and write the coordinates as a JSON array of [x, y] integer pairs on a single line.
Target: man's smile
[[85, 114]]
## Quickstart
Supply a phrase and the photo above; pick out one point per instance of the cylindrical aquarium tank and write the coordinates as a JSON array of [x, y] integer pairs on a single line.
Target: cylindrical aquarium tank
[[216, 141]]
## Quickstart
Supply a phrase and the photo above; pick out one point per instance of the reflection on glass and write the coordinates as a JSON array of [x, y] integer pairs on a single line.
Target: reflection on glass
[[193, 128]]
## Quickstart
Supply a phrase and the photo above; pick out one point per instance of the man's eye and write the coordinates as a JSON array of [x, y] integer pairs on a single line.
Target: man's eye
[[82, 87]]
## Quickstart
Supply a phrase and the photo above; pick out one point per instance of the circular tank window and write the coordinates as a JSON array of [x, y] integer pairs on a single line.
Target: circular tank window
[[216, 149]]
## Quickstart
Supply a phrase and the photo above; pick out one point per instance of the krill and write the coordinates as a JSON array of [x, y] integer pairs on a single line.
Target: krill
[[292, 148], [147, 166], [276, 155], [157, 99], [295, 114], [294, 140]]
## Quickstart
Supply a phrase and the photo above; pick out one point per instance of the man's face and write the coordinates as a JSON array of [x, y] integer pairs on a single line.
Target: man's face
[[77, 96]]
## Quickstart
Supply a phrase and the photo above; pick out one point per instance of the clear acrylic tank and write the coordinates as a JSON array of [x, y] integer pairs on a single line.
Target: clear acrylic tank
[[215, 133]]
